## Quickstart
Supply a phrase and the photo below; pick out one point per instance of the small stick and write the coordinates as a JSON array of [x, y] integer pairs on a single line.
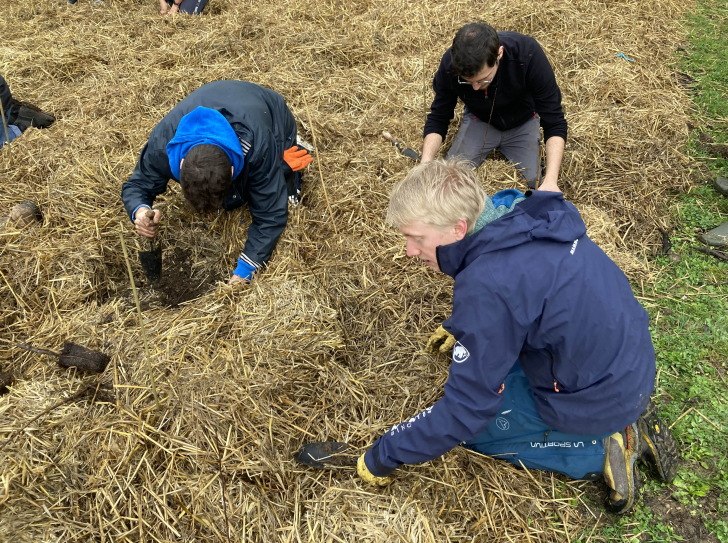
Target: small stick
[[37, 350], [318, 161], [712, 252], [74, 396], [681, 416], [141, 321], [706, 418]]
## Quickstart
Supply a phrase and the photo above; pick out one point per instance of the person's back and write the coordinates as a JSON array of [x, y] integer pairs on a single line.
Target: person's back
[[584, 339]]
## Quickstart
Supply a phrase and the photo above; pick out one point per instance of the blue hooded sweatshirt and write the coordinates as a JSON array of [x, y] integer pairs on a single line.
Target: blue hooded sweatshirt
[[531, 286]]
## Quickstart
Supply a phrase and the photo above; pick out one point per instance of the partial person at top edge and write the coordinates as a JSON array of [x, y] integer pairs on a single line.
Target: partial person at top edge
[[190, 7], [509, 90]]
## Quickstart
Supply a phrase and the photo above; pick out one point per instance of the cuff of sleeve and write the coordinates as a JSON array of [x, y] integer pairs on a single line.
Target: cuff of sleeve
[[133, 213], [374, 464], [244, 269]]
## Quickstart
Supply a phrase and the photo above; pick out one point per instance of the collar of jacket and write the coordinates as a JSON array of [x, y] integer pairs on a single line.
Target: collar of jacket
[[542, 215]]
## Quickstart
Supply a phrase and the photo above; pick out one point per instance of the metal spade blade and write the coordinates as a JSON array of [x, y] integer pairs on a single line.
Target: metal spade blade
[[326, 455], [151, 260]]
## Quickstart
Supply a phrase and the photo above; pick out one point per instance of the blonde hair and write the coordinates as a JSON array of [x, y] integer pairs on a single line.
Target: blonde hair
[[438, 193]]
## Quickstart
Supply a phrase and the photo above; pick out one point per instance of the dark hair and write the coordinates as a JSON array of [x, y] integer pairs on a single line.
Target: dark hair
[[205, 177], [474, 46]]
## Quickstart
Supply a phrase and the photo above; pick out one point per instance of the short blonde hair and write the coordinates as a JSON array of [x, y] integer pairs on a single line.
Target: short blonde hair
[[438, 193]]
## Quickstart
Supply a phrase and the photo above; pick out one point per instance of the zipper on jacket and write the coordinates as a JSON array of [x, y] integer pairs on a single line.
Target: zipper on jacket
[[553, 376]]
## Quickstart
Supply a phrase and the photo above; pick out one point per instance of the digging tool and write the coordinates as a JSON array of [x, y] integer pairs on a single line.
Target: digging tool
[[328, 455], [151, 260], [74, 356], [406, 151]]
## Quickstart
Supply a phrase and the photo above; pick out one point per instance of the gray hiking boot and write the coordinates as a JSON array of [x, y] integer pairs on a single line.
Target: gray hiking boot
[[660, 451], [621, 451], [720, 184], [717, 237], [24, 115]]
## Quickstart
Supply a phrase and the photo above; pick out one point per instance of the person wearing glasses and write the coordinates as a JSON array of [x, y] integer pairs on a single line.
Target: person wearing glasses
[[509, 89]]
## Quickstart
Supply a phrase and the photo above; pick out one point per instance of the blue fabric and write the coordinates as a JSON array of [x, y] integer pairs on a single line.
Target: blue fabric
[[13, 132], [244, 269], [501, 203], [204, 126], [531, 286], [518, 434]]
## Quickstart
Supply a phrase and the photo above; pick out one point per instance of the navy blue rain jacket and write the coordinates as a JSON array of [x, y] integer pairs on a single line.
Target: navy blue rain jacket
[[265, 126], [532, 286]]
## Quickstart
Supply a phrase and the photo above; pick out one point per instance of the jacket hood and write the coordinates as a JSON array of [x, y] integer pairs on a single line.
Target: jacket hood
[[542, 216], [204, 125]]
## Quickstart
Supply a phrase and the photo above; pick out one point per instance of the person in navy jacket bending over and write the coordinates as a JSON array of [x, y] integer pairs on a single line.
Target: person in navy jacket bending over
[[552, 359], [228, 143]]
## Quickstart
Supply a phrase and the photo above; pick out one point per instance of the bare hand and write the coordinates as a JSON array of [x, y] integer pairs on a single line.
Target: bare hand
[[173, 9], [549, 186], [235, 279], [146, 226], [163, 6]]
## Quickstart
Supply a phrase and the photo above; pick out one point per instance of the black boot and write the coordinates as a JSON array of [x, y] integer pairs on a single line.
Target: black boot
[[24, 115]]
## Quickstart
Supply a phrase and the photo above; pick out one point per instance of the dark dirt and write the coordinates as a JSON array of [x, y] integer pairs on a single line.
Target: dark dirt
[[179, 283], [665, 509], [76, 356]]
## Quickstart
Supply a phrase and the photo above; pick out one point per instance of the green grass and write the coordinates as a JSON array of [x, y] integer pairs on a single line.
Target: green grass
[[706, 60], [689, 312]]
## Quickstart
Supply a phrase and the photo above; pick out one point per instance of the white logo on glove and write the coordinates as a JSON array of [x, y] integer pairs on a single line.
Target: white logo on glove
[[459, 353]]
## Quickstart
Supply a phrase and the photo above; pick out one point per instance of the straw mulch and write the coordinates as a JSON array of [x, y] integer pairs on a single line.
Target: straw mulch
[[327, 343]]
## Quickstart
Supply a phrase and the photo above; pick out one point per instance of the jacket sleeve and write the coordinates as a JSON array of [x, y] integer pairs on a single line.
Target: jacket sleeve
[[489, 342], [268, 204], [5, 96], [541, 81], [149, 180], [442, 109]]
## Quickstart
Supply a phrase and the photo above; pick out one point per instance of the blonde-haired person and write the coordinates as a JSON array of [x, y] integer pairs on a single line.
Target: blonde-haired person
[[553, 364]]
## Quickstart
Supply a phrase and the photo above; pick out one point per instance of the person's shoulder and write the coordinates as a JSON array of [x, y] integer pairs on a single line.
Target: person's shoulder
[[518, 46]]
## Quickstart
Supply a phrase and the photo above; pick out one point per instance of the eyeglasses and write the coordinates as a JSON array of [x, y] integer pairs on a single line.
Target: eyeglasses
[[482, 82]]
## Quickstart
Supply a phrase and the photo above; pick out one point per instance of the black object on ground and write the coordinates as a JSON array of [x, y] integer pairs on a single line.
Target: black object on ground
[[406, 151], [717, 237], [717, 254], [6, 380], [151, 260], [75, 356], [720, 184], [326, 455]]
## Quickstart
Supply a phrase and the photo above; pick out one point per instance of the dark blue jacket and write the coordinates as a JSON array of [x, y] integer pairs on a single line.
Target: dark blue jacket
[[265, 127], [524, 84], [532, 286], [5, 96]]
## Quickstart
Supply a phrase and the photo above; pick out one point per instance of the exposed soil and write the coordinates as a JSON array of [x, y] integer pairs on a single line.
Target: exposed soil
[[179, 282], [671, 512]]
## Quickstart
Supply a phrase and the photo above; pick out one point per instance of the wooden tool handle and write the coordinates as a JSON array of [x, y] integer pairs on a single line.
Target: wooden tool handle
[[149, 214], [387, 136]]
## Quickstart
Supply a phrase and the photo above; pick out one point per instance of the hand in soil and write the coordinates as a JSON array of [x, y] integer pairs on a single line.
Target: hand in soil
[[235, 279], [144, 225]]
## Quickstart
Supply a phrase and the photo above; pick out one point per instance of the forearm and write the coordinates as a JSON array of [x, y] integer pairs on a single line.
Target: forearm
[[554, 156], [431, 146]]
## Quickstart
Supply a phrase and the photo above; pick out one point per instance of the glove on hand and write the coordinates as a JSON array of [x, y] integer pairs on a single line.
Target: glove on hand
[[441, 341], [366, 475], [296, 160]]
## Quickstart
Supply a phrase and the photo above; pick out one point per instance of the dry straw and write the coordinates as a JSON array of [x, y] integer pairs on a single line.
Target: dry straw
[[327, 342]]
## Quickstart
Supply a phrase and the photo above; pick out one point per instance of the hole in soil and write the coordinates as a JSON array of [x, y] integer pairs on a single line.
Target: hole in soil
[[180, 282]]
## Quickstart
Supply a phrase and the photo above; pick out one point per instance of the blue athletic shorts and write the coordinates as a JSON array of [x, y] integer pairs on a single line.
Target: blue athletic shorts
[[519, 435]]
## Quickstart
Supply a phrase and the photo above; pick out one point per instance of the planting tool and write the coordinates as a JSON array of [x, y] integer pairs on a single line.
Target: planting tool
[[406, 151], [75, 356], [151, 260], [327, 455]]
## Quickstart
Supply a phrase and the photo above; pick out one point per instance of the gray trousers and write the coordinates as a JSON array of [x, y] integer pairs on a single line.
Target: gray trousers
[[519, 145]]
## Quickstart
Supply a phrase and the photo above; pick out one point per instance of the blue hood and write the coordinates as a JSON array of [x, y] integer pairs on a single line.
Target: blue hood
[[204, 125], [542, 216]]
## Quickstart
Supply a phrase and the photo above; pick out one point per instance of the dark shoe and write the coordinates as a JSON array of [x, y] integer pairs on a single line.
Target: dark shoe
[[659, 449], [621, 451], [721, 185], [717, 237], [24, 115]]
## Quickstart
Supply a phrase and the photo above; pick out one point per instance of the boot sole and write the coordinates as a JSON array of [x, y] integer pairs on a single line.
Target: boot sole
[[660, 450]]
